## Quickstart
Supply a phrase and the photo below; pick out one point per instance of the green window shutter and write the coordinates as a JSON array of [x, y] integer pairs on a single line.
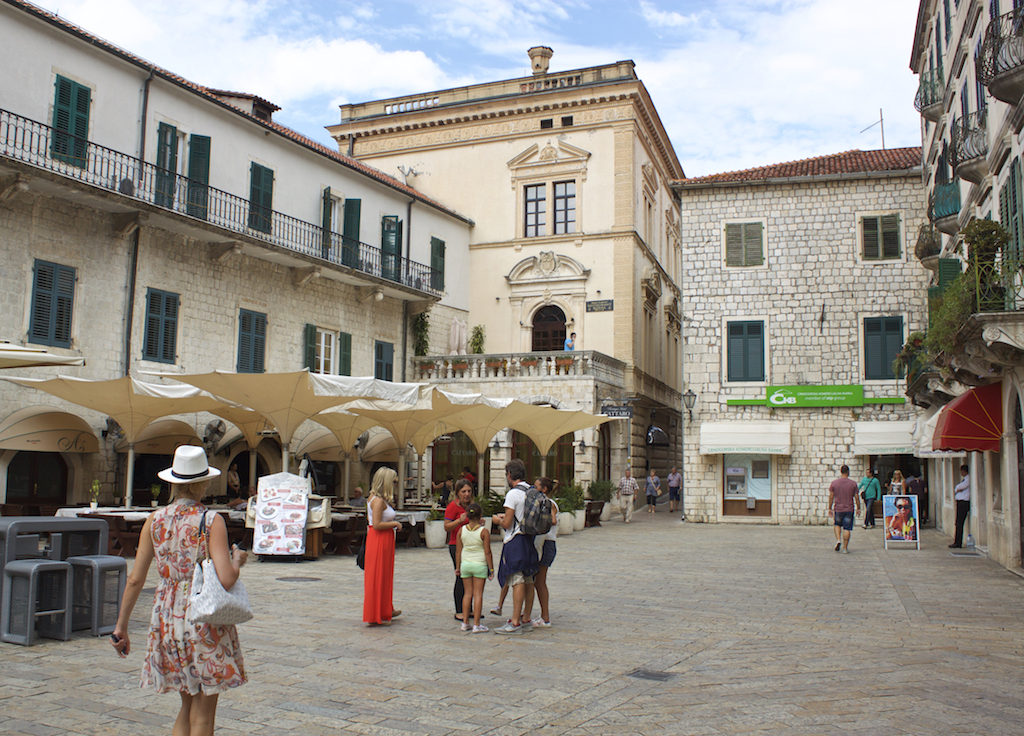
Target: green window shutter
[[883, 338], [326, 225], [1016, 206], [890, 226], [309, 347], [745, 351], [53, 294], [949, 270], [197, 202], [872, 249], [892, 342], [350, 233], [166, 164], [261, 197], [390, 246], [383, 360], [753, 242], [437, 248], [252, 341], [344, 354], [161, 330], [734, 244], [69, 142]]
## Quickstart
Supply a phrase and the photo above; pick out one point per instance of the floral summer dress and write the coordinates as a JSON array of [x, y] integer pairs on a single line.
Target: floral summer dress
[[181, 656]]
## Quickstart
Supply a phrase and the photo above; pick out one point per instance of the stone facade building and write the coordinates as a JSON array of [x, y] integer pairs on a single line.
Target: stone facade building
[[802, 287], [567, 178], [153, 225], [969, 58]]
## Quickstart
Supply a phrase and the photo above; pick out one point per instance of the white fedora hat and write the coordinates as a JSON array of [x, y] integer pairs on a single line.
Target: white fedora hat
[[189, 466]]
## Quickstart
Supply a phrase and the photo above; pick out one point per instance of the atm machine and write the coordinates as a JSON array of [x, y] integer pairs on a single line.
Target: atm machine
[[736, 482]]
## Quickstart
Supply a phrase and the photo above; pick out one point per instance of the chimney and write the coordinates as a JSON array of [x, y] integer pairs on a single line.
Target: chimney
[[539, 58]]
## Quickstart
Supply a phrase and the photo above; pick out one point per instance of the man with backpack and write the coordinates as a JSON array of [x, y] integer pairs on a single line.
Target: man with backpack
[[524, 515]]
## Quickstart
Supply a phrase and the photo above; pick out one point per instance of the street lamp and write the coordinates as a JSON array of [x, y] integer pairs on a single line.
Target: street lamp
[[689, 399]]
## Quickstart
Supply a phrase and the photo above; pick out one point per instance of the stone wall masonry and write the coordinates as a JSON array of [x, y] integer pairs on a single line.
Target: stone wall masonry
[[813, 295]]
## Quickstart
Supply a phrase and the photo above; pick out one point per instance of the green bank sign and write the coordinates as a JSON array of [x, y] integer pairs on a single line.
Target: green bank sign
[[797, 397]]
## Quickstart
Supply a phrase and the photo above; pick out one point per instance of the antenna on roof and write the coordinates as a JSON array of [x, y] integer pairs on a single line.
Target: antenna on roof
[[881, 125]]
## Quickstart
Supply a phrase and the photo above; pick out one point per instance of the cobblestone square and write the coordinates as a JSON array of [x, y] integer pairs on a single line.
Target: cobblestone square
[[751, 630]]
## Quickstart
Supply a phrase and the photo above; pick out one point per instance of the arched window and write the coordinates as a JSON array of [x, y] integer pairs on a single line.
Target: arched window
[[560, 462], [548, 329]]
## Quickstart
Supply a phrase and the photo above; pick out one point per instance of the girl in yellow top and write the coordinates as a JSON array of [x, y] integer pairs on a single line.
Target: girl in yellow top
[[473, 563]]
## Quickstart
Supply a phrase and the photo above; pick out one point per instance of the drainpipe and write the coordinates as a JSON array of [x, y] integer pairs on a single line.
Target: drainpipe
[[405, 302], [133, 264]]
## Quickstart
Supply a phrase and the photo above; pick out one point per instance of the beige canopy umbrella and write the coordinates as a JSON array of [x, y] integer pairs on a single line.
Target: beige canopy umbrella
[[46, 429], [19, 356], [346, 428], [250, 424], [289, 399], [162, 437], [545, 424], [131, 403]]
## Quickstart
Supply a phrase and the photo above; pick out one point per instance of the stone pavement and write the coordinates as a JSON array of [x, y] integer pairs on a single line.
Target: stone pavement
[[756, 630]]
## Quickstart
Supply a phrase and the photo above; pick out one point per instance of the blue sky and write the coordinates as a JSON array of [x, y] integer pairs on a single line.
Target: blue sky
[[737, 83]]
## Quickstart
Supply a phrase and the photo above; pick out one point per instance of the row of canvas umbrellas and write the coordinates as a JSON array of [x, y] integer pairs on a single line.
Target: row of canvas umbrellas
[[413, 413]]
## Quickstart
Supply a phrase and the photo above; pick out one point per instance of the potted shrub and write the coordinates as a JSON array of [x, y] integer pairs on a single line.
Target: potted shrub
[[460, 365], [491, 503], [435, 534], [498, 363], [426, 367], [571, 515], [529, 361], [94, 495]]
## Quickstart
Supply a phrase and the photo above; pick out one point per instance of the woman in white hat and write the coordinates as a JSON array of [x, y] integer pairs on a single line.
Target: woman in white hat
[[199, 661]]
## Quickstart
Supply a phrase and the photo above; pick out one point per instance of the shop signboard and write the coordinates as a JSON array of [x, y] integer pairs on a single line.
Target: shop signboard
[[617, 411], [281, 509], [601, 305], [799, 397]]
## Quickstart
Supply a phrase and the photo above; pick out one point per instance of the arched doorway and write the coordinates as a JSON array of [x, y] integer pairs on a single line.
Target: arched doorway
[[548, 329], [37, 479], [560, 458]]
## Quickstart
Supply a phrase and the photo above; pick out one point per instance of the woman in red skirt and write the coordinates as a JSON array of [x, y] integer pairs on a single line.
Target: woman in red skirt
[[379, 571]]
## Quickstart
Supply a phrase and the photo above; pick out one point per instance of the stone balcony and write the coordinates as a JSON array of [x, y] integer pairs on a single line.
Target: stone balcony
[[944, 207], [928, 101], [547, 366], [1000, 65]]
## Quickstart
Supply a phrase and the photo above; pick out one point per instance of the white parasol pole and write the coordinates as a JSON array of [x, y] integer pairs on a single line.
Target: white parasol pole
[[253, 480], [129, 476], [348, 475], [401, 478]]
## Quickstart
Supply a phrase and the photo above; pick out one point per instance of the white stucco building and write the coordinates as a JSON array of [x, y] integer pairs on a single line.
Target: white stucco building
[[150, 224], [801, 287]]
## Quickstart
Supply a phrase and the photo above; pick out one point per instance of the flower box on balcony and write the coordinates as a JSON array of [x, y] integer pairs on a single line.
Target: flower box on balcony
[[425, 368], [460, 366], [563, 362], [529, 362], [494, 363]]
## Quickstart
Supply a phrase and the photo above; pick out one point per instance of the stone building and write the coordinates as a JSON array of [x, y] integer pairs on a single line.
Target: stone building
[[566, 176], [801, 289], [969, 58], [150, 224]]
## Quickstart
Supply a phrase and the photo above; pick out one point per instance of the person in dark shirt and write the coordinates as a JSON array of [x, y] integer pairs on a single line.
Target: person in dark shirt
[[843, 506]]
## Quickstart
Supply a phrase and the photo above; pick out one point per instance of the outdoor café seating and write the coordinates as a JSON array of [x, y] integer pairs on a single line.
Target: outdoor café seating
[[37, 601], [99, 582]]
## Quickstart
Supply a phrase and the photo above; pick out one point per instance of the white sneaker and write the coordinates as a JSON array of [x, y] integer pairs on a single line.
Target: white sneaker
[[466, 627], [541, 624], [480, 629]]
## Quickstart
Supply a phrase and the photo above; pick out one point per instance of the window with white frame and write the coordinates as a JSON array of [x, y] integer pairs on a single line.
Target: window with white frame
[[880, 237], [744, 244]]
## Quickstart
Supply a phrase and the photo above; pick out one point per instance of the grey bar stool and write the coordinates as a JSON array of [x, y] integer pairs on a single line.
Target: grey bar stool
[[99, 582], [37, 601]]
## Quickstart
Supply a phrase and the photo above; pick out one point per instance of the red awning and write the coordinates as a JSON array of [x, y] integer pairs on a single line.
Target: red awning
[[972, 422]]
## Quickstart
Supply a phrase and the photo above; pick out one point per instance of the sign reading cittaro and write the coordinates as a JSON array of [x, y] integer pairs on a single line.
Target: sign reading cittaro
[[797, 397]]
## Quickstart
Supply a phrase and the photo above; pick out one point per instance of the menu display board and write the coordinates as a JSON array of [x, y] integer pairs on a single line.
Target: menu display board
[[281, 508]]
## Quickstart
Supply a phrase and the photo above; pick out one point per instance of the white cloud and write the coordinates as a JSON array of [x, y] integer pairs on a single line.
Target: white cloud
[[661, 18]]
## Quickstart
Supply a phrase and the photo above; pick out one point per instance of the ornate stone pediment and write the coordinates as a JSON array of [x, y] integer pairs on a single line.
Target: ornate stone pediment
[[652, 288], [553, 158], [547, 266]]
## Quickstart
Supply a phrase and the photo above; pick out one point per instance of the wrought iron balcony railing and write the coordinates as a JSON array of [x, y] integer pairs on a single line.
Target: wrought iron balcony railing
[[929, 91], [970, 138], [1002, 56], [998, 284], [928, 243], [945, 200], [44, 147]]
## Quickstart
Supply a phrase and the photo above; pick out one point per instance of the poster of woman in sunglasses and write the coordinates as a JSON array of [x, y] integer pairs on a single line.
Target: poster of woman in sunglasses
[[900, 514]]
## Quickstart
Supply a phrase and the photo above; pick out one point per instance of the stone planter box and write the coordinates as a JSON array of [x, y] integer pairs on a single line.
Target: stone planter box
[[566, 523], [579, 520]]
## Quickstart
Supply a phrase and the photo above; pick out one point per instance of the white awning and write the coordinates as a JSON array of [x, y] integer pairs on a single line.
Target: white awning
[[923, 433], [757, 438], [883, 438]]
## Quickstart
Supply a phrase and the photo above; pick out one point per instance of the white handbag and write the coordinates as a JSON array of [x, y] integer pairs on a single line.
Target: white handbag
[[208, 601]]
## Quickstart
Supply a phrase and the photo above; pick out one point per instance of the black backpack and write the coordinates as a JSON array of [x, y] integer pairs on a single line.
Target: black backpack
[[536, 513]]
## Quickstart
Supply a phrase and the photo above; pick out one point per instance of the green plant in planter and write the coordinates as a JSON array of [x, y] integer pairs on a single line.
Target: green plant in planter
[[911, 349], [436, 514], [476, 340], [949, 315], [601, 490], [94, 491], [491, 503], [570, 498], [420, 334], [986, 240]]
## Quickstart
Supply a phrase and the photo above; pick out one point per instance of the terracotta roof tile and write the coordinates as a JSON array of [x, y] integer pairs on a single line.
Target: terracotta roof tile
[[211, 95], [848, 162]]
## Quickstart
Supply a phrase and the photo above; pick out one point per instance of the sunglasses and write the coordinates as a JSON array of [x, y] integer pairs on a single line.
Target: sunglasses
[[902, 506]]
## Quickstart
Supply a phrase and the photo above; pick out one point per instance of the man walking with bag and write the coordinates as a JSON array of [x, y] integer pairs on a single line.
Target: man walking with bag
[[519, 559]]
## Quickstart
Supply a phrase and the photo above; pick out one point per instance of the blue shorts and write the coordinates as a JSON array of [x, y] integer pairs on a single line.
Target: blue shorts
[[673, 493], [547, 554], [844, 519]]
